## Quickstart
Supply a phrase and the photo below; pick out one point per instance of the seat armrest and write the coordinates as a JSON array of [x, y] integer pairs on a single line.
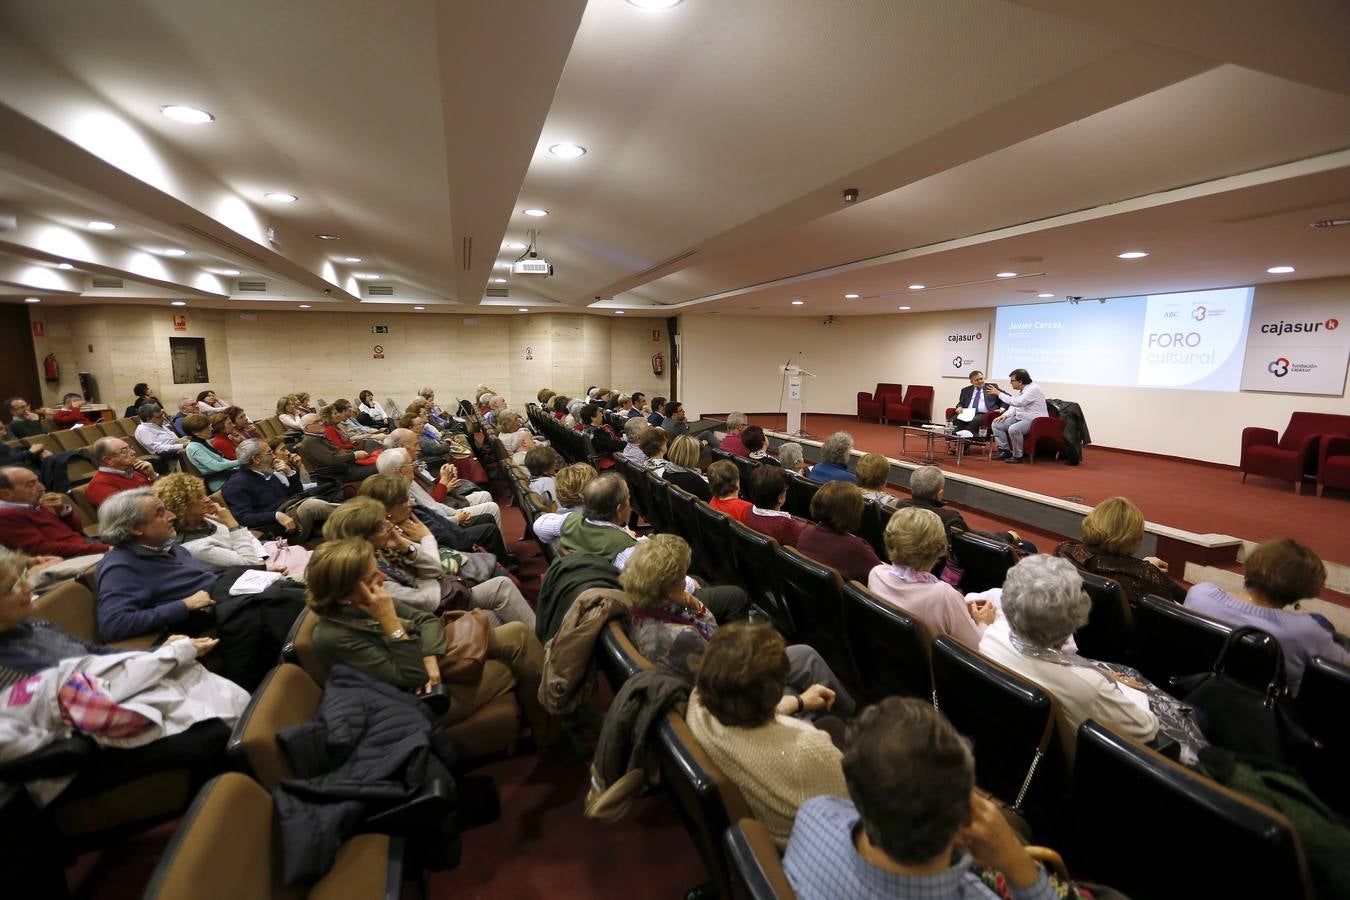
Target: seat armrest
[[863, 396], [1308, 452], [428, 809], [436, 700], [1332, 445], [1259, 437], [64, 757]]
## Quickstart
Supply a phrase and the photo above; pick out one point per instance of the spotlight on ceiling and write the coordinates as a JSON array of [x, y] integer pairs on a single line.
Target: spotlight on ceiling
[[618, 312], [1132, 254], [189, 114], [904, 308], [175, 251], [798, 302], [178, 303], [419, 307], [328, 237], [304, 306], [1045, 295], [852, 296], [97, 225], [229, 271], [32, 299], [281, 197], [535, 212], [567, 151], [351, 259], [1005, 275], [522, 309], [917, 287], [515, 245], [64, 266], [654, 4], [1280, 270]]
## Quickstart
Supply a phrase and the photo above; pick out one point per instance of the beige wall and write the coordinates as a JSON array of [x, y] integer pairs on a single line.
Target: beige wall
[[732, 363]]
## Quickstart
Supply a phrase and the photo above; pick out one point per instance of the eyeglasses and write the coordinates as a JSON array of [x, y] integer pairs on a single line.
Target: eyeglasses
[[20, 582]]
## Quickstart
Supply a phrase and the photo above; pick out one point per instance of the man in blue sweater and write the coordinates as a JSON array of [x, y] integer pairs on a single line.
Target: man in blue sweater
[[147, 583], [265, 494]]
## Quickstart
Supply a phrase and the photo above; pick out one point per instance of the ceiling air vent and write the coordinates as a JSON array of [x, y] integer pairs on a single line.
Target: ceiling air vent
[[99, 282], [498, 292], [251, 287], [379, 290]]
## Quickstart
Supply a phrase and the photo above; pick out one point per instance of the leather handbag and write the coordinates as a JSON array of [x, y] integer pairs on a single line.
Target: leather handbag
[[1244, 718], [466, 637]]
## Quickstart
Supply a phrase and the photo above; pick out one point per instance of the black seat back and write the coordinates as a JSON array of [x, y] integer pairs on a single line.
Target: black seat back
[[1107, 634], [757, 567], [706, 799], [799, 493], [1128, 805], [889, 645], [814, 593], [756, 869], [1323, 698], [872, 529], [616, 655], [746, 468], [985, 561], [1010, 720], [684, 522], [657, 511], [719, 555], [1171, 640]]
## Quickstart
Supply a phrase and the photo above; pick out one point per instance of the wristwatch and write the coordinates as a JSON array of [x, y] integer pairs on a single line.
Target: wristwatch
[[398, 634]]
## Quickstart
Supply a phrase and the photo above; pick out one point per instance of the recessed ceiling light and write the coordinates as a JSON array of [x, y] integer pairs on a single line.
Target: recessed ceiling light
[[904, 307], [1045, 295], [281, 196], [534, 211], [175, 251], [515, 245], [852, 296], [351, 259], [96, 225], [503, 265], [499, 281], [328, 237], [32, 299], [567, 151], [1005, 275], [798, 302], [1132, 254], [618, 312], [522, 309], [369, 275], [654, 4], [1280, 270], [64, 266], [419, 307], [229, 271], [178, 303], [304, 306], [917, 287], [189, 114]]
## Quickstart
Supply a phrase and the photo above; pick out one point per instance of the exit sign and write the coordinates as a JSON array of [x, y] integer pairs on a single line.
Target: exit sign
[[379, 329]]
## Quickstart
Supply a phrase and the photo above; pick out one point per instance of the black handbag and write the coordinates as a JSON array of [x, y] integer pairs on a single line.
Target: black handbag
[[1247, 719]]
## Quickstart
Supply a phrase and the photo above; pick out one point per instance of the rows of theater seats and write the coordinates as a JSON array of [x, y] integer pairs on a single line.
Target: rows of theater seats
[[1117, 809]]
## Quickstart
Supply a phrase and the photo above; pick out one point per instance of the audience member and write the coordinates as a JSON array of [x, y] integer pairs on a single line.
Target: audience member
[[186, 407], [267, 494], [1027, 405], [343, 417], [545, 396], [444, 492], [757, 445], [145, 396], [724, 482], [974, 396], [632, 435], [303, 404], [23, 422], [790, 457], [915, 541], [913, 824], [736, 425], [1277, 574], [369, 412], [205, 530], [675, 421], [603, 439], [558, 406], [653, 445], [837, 508], [118, 470], [157, 438], [639, 407], [208, 402], [288, 413], [542, 464], [242, 427], [71, 413], [38, 523], [834, 454], [768, 493], [657, 415], [1043, 605], [459, 529], [324, 458], [681, 468], [570, 482], [222, 441], [926, 485], [1112, 533], [213, 467], [513, 434], [873, 471]]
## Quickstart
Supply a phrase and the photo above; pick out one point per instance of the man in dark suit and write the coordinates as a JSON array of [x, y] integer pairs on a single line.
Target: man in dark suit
[[974, 395]]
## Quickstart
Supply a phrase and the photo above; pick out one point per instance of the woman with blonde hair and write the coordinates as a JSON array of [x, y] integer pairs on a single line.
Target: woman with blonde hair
[[915, 541], [1112, 534], [515, 437], [681, 468], [362, 625], [288, 413]]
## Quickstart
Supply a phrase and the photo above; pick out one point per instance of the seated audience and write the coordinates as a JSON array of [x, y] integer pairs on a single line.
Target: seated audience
[[724, 483], [744, 719], [71, 414], [38, 523], [632, 435], [639, 408], [363, 626], [926, 485], [443, 492], [834, 454], [147, 583], [657, 415], [24, 422], [186, 407], [208, 402], [675, 420], [1112, 533], [118, 470], [558, 406], [344, 417], [1277, 574], [542, 464], [653, 445], [790, 458], [513, 434], [545, 396], [915, 541], [603, 440], [873, 471], [267, 494], [242, 427], [1043, 605], [51, 467], [736, 425], [145, 396], [768, 493], [209, 533], [459, 529], [570, 483], [369, 412], [222, 440], [288, 413], [495, 405], [303, 404], [214, 467], [157, 438], [324, 458], [623, 405], [681, 468], [837, 508], [757, 445], [912, 824]]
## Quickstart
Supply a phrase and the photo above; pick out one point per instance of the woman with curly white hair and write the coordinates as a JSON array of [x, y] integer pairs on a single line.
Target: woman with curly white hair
[[1043, 605]]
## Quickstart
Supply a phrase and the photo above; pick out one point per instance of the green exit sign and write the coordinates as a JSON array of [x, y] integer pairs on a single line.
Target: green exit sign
[[379, 329]]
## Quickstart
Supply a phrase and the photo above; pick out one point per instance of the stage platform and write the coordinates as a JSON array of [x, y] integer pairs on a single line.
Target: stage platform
[[1197, 513]]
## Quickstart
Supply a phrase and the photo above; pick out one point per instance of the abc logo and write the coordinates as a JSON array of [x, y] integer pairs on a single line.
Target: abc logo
[[1278, 367]]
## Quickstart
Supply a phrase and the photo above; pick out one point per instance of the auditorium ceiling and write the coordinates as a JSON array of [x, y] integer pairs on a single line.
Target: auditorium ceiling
[[1035, 138]]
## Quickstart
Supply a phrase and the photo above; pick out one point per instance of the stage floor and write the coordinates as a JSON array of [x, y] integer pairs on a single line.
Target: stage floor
[[1197, 497]]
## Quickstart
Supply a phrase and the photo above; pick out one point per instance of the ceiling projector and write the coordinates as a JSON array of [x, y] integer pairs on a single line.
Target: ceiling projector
[[532, 265]]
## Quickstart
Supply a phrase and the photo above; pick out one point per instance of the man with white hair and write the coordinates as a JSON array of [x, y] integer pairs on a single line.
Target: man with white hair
[[736, 425], [926, 485], [118, 470], [323, 457], [268, 495], [445, 492], [186, 407]]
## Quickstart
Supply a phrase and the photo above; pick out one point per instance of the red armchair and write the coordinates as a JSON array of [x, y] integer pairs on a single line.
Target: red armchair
[[1294, 455], [917, 406], [1045, 435], [1333, 464], [874, 405], [988, 418]]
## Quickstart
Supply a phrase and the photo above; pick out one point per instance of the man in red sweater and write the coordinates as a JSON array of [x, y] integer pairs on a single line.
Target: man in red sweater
[[118, 470], [38, 524], [736, 425], [70, 414]]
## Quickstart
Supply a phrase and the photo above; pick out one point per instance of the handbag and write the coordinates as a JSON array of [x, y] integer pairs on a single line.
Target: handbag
[[1246, 719], [466, 638]]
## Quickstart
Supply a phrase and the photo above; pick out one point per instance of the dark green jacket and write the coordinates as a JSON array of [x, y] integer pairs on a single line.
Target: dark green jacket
[[351, 637]]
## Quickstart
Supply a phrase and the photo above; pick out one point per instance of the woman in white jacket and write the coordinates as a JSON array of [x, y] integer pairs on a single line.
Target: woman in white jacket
[[211, 534]]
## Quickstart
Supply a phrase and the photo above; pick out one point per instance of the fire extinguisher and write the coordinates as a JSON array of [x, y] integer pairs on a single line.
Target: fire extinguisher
[[658, 364], [51, 371]]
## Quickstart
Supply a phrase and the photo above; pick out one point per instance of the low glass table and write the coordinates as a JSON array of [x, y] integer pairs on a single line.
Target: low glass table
[[923, 444]]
